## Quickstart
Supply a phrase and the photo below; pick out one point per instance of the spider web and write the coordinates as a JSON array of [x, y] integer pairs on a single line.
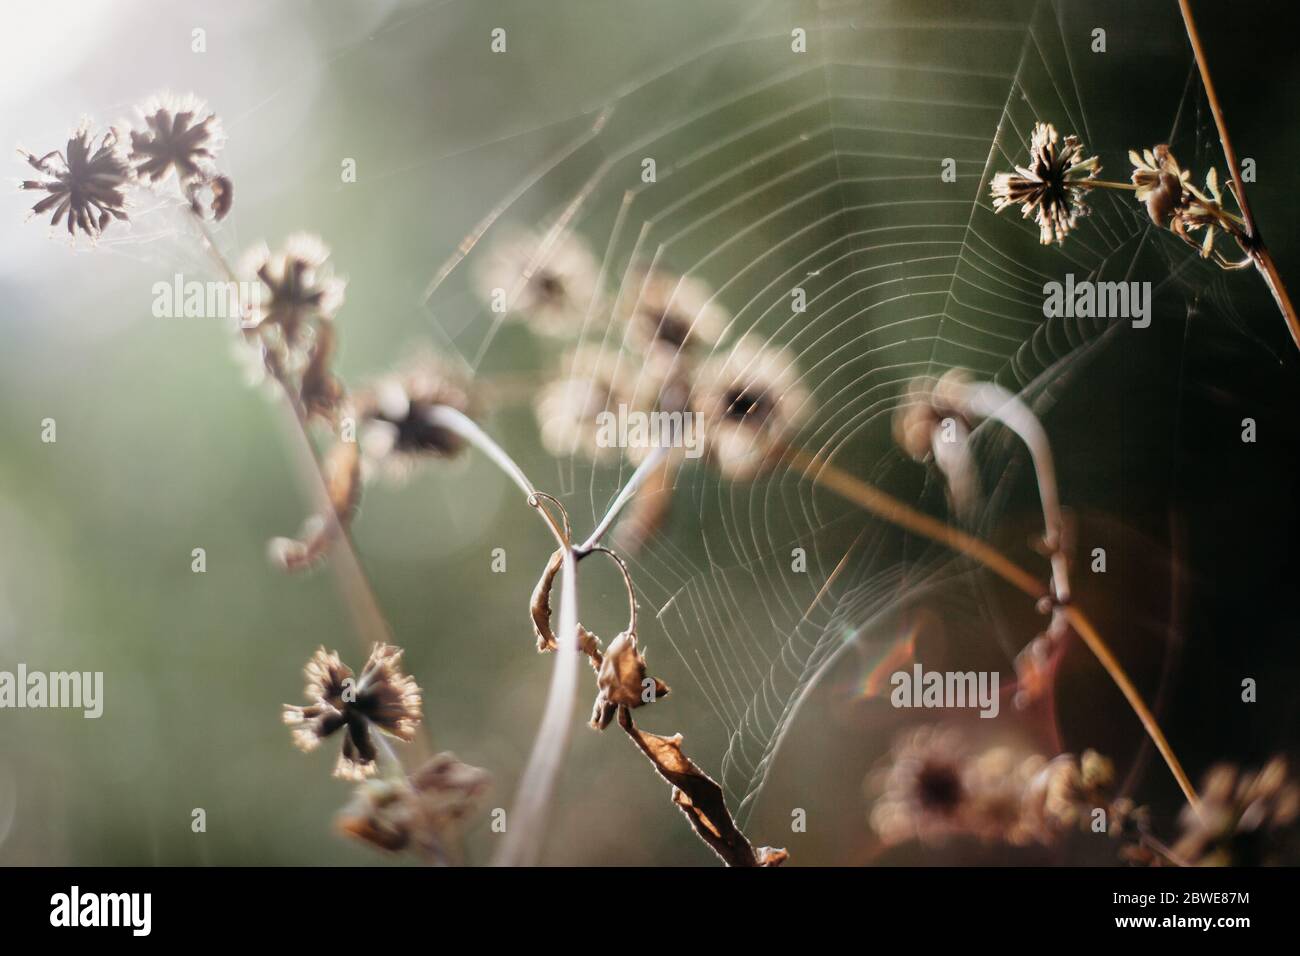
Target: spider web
[[777, 170]]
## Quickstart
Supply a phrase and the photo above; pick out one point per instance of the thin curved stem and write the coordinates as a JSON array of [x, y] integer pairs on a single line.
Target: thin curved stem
[[638, 478], [1263, 259], [886, 506], [526, 824]]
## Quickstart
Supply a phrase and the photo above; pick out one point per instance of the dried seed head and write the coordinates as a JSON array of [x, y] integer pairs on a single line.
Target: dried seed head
[[85, 183], [394, 412], [1048, 189], [922, 791], [211, 197], [300, 291], [547, 282], [1245, 818], [178, 133], [381, 698], [621, 681], [595, 380], [753, 401], [425, 813], [673, 315]]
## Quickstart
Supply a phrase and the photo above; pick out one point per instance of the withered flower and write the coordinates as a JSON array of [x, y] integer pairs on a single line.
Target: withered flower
[[84, 183], [594, 380], [674, 314], [382, 699], [179, 134], [1244, 818], [424, 813], [211, 197], [1052, 188], [752, 400], [621, 681], [923, 792], [547, 282], [394, 413], [300, 290]]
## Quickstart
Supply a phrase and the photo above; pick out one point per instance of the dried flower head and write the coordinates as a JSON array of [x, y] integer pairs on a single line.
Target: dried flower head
[[752, 400], [674, 314], [397, 430], [424, 813], [594, 380], [211, 197], [300, 289], [1051, 188], [547, 281], [621, 681], [382, 698], [84, 182], [179, 134], [1243, 817], [923, 790]]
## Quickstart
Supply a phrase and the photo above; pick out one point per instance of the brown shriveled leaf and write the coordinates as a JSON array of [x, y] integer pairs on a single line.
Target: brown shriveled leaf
[[320, 391], [621, 681], [341, 470], [699, 797], [540, 611]]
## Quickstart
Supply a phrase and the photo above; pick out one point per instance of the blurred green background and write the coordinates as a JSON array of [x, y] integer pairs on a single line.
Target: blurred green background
[[161, 449]]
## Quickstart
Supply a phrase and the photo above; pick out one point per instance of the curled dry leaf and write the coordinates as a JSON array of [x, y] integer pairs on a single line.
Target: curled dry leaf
[[621, 681], [699, 797], [539, 608], [341, 471]]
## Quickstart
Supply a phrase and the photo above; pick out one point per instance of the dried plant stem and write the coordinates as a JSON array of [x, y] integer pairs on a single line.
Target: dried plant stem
[[867, 496], [988, 400], [643, 470], [526, 824], [1258, 252], [359, 593]]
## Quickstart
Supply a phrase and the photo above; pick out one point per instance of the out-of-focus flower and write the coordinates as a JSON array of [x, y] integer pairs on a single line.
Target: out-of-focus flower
[[550, 284], [923, 791], [179, 134], [397, 431], [300, 289], [85, 183], [1244, 819], [1052, 187], [935, 786], [211, 197], [674, 314], [382, 699], [593, 380], [752, 401], [424, 813]]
